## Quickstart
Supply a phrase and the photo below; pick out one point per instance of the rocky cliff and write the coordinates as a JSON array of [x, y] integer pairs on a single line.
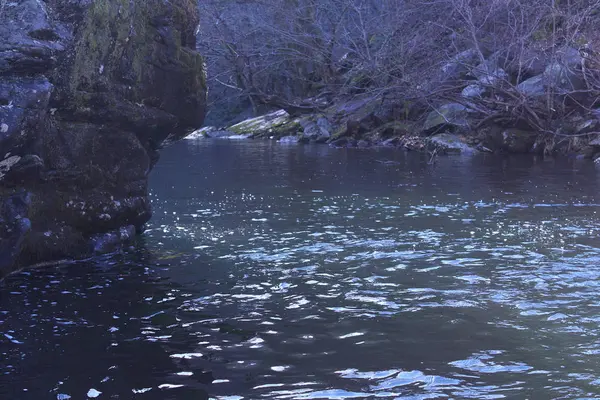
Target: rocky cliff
[[89, 90]]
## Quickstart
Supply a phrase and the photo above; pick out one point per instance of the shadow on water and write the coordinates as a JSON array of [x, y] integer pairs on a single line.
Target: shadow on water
[[95, 326], [304, 272]]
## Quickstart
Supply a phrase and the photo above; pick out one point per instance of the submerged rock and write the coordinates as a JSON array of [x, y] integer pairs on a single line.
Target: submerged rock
[[89, 91]]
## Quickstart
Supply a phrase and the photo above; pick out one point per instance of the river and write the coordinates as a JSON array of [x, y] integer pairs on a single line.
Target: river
[[305, 272]]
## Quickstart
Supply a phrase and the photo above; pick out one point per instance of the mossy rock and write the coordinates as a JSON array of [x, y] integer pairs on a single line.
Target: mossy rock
[[276, 124]]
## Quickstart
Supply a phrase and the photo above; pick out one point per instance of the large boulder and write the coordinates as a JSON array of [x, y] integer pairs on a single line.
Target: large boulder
[[276, 124], [562, 77], [89, 91]]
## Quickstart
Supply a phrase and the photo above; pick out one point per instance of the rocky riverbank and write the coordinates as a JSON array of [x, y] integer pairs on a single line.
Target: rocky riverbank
[[88, 93], [545, 107]]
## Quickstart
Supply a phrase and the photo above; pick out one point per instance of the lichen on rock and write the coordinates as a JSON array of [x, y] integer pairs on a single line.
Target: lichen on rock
[[88, 93]]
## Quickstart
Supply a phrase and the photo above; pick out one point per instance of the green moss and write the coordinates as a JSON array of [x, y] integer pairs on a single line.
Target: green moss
[[275, 124], [117, 43]]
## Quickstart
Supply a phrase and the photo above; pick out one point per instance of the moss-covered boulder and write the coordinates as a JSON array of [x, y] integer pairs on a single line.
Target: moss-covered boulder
[[276, 124], [89, 90]]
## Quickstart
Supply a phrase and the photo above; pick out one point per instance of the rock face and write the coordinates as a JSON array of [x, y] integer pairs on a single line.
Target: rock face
[[89, 90]]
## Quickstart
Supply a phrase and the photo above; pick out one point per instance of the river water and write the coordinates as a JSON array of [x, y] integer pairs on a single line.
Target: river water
[[304, 272]]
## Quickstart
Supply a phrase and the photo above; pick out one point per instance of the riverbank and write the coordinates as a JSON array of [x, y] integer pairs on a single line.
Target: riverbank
[[482, 104], [364, 129]]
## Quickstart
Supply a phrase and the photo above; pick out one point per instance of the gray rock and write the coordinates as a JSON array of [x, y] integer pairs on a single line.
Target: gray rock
[[532, 87], [86, 101], [447, 115], [520, 65], [29, 39], [489, 73], [324, 124], [564, 79], [313, 131], [473, 91], [450, 144], [459, 66], [24, 105]]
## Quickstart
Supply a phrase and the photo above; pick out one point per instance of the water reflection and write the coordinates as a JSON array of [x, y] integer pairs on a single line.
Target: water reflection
[[311, 273]]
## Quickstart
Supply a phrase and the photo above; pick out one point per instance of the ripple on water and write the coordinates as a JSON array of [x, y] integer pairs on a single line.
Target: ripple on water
[[317, 281]]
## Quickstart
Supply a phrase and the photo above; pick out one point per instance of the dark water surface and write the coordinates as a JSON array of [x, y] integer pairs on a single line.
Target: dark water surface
[[305, 272]]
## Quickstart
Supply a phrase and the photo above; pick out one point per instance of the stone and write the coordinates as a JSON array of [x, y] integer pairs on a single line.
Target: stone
[[89, 92], [26, 102], [520, 64], [324, 124], [316, 131], [489, 73], [277, 124], [563, 78], [450, 144], [473, 91], [459, 66], [289, 140], [533, 87], [448, 115]]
